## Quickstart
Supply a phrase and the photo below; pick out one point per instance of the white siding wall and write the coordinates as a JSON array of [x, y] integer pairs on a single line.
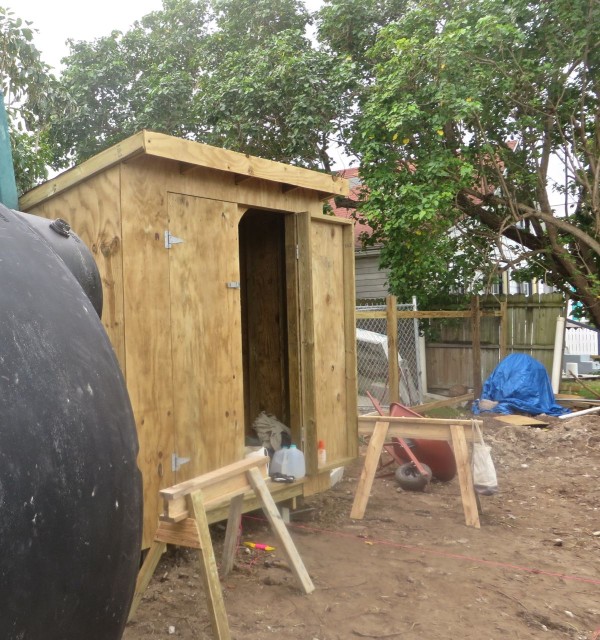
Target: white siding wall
[[371, 282]]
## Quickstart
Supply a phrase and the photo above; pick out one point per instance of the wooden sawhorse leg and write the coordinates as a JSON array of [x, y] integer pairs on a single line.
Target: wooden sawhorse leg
[[465, 477], [365, 484]]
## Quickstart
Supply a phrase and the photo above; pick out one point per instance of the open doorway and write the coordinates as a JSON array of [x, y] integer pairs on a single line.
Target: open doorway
[[264, 312]]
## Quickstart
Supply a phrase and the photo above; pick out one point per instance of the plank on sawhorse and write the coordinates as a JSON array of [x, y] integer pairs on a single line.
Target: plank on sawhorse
[[453, 431], [184, 523]]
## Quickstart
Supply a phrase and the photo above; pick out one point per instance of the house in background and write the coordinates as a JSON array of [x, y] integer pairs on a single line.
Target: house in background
[[371, 281]]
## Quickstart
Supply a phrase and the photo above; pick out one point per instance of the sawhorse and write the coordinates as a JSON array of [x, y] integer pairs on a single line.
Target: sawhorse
[[378, 427], [184, 523]]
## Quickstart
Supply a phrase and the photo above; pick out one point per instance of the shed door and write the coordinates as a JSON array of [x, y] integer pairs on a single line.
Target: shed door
[[206, 333], [327, 307]]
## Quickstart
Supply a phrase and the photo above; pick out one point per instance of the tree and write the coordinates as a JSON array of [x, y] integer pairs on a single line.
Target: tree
[[471, 104], [121, 83], [27, 86], [277, 96], [233, 73]]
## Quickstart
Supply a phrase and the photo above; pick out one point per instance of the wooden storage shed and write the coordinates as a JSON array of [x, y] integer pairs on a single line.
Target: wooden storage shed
[[226, 292]]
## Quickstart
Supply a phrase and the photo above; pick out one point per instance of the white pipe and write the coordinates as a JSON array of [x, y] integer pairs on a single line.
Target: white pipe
[[558, 353], [566, 416]]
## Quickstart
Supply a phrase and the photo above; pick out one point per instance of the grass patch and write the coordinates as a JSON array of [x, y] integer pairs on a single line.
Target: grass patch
[[447, 412], [575, 388]]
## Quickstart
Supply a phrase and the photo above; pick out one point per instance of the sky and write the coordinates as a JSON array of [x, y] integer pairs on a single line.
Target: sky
[[58, 20]]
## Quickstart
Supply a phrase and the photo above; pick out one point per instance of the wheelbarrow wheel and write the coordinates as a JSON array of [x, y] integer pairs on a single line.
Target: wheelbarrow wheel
[[409, 478]]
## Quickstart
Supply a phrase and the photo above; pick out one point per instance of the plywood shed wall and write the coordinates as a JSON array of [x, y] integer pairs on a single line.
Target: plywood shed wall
[[253, 310]]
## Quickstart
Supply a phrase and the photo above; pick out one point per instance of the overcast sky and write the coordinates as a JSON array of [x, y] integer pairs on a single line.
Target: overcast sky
[[58, 20]]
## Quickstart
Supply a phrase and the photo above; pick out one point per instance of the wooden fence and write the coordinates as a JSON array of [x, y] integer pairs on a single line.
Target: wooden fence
[[523, 325], [467, 345]]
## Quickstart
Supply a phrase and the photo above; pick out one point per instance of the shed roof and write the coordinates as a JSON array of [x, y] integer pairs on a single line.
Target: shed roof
[[194, 154]]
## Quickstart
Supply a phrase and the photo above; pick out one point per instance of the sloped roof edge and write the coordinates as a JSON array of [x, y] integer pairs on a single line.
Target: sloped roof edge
[[196, 154]]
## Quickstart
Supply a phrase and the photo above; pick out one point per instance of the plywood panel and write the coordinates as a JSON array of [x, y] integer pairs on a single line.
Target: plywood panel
[[293, 327], [218, 185], [148, 329], [206, 333], [94, 212], [327, 241]]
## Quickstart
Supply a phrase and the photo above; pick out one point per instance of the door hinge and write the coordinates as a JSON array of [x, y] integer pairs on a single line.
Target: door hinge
[[177, 462], [297, 252], [170, 240]]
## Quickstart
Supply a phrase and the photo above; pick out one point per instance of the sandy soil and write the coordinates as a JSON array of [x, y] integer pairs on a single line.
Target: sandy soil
[[411, 568]]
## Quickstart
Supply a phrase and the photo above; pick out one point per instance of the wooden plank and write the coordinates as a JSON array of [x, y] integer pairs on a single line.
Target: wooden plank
[[425, 428], [438, 404], [307, 339], [148, 328], [209, 572], [235, 470], [465, 477], [279, 491], [184, 533], [206, 334], [523, 421], [232, 534], [392, 336], [331, 328], [279, 528], [476, 345], [215, 494], [503, 329], [192, 154], [94, 213], [145, 575], [128, 148], [367, 475], [203, 155], [415, 314], [351, 412], [293, 326]]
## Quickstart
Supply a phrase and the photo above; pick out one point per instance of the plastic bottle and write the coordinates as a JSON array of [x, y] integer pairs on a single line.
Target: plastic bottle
[[321, 454], [293, 463], [279, 457]]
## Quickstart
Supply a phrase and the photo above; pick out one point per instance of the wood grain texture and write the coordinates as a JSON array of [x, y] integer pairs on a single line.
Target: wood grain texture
[[280, 530], [148, 328], [145, 575], [203, 155], [209, 572], [206, 335], [188, 156], [128, 148], [351, 415], [365, 482], [94, 212], [465, 477], [330, 331]]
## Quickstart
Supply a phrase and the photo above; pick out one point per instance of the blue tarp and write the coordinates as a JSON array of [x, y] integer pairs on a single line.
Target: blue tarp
[[520, 383]]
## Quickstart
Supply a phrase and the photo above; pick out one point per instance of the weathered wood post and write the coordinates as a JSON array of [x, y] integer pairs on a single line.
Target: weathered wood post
[[392, 336], [476, 342]]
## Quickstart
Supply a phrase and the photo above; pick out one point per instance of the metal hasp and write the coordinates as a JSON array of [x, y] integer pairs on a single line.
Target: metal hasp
[[170, 240]]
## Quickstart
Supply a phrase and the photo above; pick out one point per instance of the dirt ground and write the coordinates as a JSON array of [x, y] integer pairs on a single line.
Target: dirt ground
[[411, 568]]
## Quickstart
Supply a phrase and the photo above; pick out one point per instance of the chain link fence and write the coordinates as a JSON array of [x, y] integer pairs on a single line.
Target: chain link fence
[[372, 358]]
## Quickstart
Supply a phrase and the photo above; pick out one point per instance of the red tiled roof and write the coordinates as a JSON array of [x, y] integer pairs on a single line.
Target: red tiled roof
[[360, 228]]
